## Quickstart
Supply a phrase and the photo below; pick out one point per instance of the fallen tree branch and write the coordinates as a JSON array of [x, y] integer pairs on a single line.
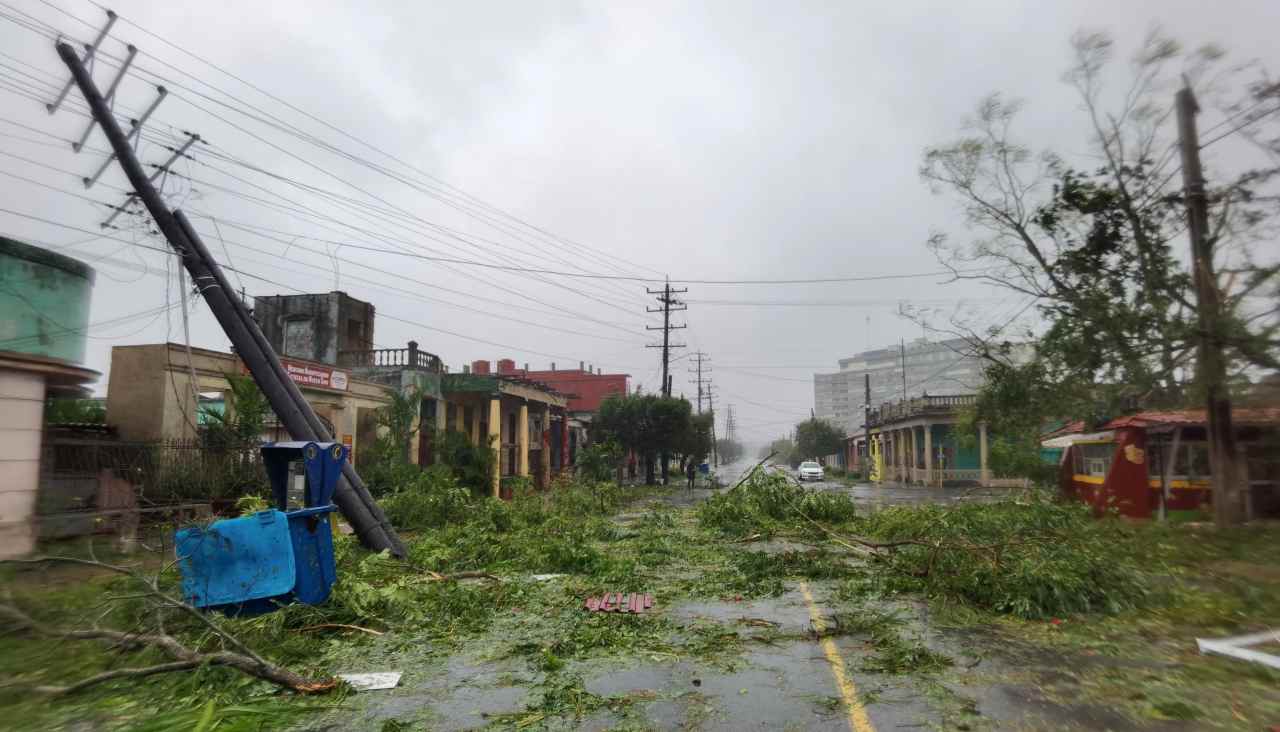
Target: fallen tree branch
[[242, 658], [882, 549], [184, 658], [339, 626], [752, 471], [469, 574], [120, 673]]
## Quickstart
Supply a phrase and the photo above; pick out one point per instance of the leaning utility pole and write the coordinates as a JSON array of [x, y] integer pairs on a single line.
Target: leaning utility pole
[[1229, 505], [251, 346], [699, 359], [667, 297]]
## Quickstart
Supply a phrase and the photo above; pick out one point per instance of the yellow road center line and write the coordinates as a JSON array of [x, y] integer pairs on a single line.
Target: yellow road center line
[[858, 720]]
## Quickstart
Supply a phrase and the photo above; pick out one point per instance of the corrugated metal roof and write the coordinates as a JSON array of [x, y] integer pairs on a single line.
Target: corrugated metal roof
[[1193, 417]]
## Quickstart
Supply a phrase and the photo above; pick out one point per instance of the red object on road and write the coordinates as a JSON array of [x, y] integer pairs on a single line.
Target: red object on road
[[618, 602]]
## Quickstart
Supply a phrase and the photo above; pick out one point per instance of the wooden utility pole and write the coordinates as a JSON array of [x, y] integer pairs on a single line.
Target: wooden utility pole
[[670, 304], [667, 297], [1211, 368]]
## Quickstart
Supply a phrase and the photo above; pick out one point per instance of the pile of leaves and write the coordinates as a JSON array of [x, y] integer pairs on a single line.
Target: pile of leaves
[[1030, 558], [426, 499], [768, 502]]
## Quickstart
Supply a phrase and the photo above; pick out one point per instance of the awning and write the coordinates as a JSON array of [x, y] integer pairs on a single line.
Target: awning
[[1069, 440]]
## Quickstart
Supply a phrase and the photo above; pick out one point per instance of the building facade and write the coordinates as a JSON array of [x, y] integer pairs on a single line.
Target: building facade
[[315, 327], [151, 396], [934, 368], [44, 314]]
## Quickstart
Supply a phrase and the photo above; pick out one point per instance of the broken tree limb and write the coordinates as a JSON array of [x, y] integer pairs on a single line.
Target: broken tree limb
[[469, 574], [339, 626], [752, 471], [242, 658], [184, 657]]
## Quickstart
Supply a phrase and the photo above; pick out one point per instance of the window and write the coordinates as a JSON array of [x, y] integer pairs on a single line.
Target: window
[[1193, 461], [1097, 458], [300, 338]]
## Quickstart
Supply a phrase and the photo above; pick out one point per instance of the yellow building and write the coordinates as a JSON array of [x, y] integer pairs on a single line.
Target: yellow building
[[150, 395]]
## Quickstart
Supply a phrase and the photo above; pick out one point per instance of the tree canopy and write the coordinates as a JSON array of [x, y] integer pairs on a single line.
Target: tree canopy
[[1098, 247], [651, 424], [818, 438]]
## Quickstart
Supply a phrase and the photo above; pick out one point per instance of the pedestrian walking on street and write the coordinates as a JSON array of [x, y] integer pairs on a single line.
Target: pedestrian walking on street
[[691, 470]]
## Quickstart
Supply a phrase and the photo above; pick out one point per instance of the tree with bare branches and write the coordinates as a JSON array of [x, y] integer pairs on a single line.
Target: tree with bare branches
[[1099, 249]]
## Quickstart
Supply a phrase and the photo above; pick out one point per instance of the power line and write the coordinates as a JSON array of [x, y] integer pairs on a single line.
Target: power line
[[320, 121]]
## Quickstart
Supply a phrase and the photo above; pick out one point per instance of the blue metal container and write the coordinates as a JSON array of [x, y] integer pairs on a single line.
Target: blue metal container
[[321, 463], [314, 565], [239, 560]]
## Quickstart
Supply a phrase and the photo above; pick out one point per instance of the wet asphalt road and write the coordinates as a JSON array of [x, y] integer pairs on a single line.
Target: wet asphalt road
[[788, 677]]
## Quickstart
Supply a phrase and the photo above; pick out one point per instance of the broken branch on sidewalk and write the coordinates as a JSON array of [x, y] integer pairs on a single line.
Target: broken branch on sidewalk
[[234, 653]]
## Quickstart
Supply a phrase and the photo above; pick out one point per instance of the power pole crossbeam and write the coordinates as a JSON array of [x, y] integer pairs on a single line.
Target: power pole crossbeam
[[286, 401]]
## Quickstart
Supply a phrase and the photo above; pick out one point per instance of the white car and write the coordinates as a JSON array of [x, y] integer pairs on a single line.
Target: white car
[[809, 470]]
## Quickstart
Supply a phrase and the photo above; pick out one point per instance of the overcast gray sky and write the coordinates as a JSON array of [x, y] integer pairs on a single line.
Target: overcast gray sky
[[726, 140]]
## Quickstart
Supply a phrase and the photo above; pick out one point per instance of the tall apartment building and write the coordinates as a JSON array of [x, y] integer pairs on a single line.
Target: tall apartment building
[[938, 368]]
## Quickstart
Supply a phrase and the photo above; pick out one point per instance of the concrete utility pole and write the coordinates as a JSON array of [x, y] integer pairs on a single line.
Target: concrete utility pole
[[667, 297], [286, 400], [711, 407], [866, 401], [1229, 504]]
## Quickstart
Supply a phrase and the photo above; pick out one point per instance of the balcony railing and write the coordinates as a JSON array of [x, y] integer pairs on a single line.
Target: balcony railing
[[392, 358]]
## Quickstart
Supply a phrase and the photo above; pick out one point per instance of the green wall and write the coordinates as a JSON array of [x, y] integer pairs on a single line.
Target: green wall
[[44, 302]]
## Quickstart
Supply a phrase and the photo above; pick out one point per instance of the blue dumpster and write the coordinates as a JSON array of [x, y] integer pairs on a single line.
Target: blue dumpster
[[237, 560], [253, 563]]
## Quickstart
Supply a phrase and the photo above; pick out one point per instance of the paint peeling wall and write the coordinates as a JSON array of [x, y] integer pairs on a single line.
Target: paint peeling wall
[[44, 302]]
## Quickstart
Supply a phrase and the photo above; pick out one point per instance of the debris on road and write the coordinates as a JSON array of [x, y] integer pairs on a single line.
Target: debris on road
[[619, 602], [372, 681], [1238, 647]]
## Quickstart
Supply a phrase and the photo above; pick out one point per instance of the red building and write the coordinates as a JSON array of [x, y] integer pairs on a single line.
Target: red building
[[586, 387], [1157, 463]]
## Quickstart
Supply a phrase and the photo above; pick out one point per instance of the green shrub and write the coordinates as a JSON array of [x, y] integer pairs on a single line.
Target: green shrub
[[1031, 559], [427, 499]]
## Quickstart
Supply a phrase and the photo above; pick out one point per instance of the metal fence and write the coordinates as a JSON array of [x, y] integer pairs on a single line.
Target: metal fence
[[162, 472]]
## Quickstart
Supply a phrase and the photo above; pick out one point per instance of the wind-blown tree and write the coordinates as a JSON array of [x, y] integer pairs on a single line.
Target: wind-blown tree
[[729, 450], [649, 424], [817, 438], [1100, 250], [697, 443]]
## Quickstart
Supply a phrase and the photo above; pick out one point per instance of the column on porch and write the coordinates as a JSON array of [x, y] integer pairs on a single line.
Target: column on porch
[[564, 439], [475, 426], [984, 475], [899, 454], [416, 436], [544, 467], [442, 422], [495, 438], [522, 440], [928, 453], [915, 456], [460, 418]]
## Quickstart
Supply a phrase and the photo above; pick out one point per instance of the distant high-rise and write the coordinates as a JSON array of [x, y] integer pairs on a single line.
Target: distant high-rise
[[936, 368]]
